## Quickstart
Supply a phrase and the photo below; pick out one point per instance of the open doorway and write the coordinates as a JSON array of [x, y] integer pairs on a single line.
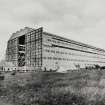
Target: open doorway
[[22, 40], [21, 49]]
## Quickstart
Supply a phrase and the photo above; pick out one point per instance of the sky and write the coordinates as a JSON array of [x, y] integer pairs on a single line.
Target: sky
[[80, 20]]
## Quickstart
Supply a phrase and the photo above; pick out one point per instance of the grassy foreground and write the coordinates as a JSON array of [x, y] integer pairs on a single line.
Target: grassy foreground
[[75, 88]]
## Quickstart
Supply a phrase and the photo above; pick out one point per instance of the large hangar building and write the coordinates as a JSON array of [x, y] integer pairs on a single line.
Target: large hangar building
[[35, 50]]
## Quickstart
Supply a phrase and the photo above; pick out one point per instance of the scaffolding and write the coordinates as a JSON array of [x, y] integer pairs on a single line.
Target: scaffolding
[[12, 51], [33, 43]]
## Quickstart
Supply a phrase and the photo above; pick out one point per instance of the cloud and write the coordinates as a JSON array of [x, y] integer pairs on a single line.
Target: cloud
[[81, 20]]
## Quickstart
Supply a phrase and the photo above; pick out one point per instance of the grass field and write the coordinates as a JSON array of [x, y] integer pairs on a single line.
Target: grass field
[[74, 88]]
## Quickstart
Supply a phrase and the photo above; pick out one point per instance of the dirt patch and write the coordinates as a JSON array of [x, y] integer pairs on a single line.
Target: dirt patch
[[75, 88]]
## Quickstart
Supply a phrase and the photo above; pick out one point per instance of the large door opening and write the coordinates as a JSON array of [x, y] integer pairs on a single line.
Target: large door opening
[[22, 40], [21, 51]]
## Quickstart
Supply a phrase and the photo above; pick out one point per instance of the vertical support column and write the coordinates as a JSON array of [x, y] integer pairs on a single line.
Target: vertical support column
[[41, 39]]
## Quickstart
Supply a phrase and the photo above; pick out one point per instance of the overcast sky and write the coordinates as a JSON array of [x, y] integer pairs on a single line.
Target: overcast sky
[[81, 20]]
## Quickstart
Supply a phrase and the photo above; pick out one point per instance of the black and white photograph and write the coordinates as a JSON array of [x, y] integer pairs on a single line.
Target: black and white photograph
[[52, 52]]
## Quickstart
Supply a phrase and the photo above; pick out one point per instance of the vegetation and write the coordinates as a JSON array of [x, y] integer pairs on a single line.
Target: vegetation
[[75, 88]]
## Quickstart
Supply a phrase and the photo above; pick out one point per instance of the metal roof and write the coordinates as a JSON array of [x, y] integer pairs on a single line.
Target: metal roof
[[75, 42], [27, 30]]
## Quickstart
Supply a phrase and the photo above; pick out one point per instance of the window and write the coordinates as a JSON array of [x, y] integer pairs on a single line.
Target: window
[[49, 40], [62, 52], [44, 57], [54, 58], [52, 51], [49, 57], [57, 51], [47, 50]]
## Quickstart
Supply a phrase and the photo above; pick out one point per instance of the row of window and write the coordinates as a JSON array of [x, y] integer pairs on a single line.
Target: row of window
[[38, 65], [67, 44], [33, 54], [33, 61], [12, 48], [12, 56], [12, 42], [32, 39], [50, 46], [34, 47], [11, 53], [33, 64], [75, 46], [66, 59], [37, 58], [34, 42], [11, 60], [34, 51], [33, 36], [60, 52]]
